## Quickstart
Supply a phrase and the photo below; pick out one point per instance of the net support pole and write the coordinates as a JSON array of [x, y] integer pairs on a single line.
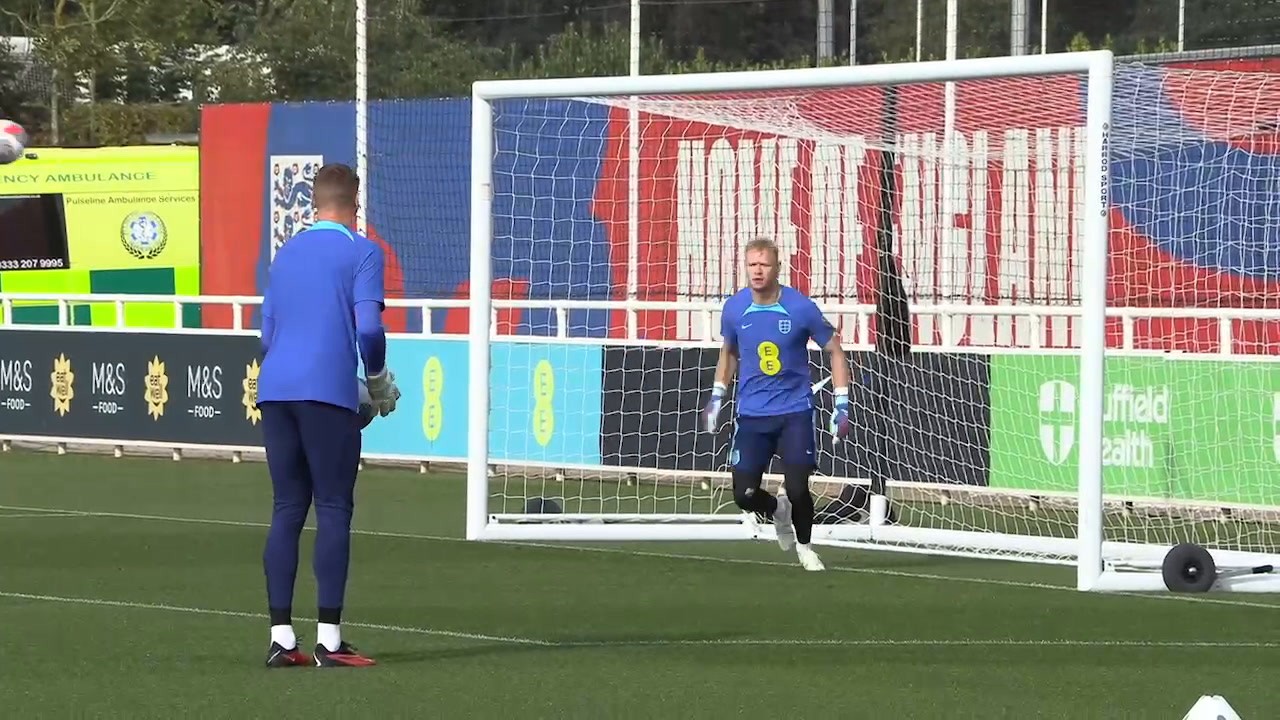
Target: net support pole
[[362, 113], [949, 90], [853, 32], [1093, 301], [480, 315], [633, 176], [1182, 25], [1044, 26], [919, 29]]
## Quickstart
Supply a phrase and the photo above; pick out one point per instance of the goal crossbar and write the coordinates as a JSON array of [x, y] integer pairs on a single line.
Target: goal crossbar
[[799, 78]]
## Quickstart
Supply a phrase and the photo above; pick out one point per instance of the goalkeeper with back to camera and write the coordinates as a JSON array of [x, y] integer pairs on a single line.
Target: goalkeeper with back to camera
[[322, 306], [766, 329]]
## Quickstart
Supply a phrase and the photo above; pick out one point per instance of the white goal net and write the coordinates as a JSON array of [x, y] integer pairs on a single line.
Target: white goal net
[[949, 215]]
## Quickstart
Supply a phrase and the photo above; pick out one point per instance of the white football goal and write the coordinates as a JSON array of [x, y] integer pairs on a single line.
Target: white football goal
[[1030, 260]]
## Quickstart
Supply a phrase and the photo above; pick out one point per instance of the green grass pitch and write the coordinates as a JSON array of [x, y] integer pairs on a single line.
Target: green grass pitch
[[133, 588]]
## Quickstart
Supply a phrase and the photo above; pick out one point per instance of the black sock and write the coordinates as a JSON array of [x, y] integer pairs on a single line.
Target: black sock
[[797, 487], [329, 616], [281, 616], [749, 496]]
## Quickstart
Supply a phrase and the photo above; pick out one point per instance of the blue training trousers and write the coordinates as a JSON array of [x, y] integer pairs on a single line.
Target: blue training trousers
[[313, 455]]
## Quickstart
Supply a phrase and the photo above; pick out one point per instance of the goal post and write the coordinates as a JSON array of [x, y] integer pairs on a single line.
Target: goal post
[[583, 399]]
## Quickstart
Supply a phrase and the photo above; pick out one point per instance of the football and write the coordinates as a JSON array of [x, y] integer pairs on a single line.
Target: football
[[367, 413], [13, 141]]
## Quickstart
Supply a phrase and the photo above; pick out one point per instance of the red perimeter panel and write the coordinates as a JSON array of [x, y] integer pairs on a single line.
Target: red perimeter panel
[[396, 319], [233, 156]]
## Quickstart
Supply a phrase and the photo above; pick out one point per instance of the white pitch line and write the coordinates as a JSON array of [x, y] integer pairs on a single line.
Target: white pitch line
[[673, 642], [20, 515], [886, 572], [506, 639], [920, 642]]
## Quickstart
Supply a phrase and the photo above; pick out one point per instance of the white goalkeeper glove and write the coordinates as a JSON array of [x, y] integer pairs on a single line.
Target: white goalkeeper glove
[[383, 391], [711, 413]]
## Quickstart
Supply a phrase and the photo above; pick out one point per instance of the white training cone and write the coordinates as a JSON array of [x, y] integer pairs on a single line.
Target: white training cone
[[1211, 707]]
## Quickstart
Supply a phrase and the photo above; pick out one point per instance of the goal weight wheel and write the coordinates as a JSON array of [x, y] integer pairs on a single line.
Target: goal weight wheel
[[1189, 568]]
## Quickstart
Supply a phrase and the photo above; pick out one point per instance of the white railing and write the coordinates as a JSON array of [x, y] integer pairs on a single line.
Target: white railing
[[701, 319]]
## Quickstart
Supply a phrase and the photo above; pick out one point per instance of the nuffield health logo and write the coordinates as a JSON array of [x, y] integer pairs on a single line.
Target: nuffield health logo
[[1057, 420], [1128, 415]]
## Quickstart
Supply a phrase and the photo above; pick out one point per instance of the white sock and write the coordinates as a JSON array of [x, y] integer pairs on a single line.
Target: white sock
[[284, 636], [329, 636]]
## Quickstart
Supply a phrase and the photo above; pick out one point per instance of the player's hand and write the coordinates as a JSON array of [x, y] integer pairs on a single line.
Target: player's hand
[[383, 391], [711, 413], [840, 415]]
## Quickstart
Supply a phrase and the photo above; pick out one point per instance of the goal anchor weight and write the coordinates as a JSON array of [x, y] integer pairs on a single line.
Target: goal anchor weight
[[1189, 568]]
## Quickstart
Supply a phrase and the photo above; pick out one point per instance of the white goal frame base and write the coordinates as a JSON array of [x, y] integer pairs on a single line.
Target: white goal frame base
[[1140, 570], [1132, 567]]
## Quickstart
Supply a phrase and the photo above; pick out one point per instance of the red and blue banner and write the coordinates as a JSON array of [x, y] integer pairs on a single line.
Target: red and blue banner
[[992, 216]]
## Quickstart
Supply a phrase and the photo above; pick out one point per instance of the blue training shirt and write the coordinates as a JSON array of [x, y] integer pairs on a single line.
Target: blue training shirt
[[314, 284], [772, 343]]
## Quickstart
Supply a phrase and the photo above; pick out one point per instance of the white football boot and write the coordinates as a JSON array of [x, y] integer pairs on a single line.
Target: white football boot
[[782, 524], [809, 559]]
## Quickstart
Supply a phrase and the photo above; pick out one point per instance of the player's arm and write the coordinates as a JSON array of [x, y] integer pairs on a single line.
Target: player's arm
[[268, 324], [840, 376], [371, 335], [825, 335], [726, 366]]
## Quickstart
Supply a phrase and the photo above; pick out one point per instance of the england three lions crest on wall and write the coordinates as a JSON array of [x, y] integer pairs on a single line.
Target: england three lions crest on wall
[[292, 177]]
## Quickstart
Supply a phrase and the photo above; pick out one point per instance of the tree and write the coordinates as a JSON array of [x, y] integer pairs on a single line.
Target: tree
[[18, 97]]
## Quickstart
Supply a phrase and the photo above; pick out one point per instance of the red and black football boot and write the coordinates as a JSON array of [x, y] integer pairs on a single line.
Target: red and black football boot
[[278, 657], [344, 656]]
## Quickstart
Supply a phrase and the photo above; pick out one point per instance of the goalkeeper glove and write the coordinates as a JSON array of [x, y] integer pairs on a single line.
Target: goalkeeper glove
[[711, 413], [840, 415], [383, 391]]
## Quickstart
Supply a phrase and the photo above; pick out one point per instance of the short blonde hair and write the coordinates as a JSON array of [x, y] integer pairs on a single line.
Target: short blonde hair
[[336, 187], [762, 244]]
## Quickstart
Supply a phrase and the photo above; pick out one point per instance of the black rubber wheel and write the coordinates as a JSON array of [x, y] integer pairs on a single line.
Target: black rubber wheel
[[1189, 568], [540, 505]]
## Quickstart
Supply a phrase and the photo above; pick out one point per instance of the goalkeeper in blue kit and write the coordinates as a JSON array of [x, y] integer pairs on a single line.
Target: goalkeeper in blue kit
[[766, 330], [323, 305]]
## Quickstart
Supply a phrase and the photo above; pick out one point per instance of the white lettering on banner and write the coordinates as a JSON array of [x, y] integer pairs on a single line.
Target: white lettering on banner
[[1015, 236], [722, 217], [108, 379], [15, 376], [1128, 416], [719, 205], [784, 232], [691, 218], [918, 222], [836, 240], [748, 222], [204, 382], [729, 190], [1052, 223], [1134, 409], [825, 241]]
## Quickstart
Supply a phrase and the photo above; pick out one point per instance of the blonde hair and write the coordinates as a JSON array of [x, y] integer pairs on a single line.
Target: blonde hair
[[762, 244], [336, 187]]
